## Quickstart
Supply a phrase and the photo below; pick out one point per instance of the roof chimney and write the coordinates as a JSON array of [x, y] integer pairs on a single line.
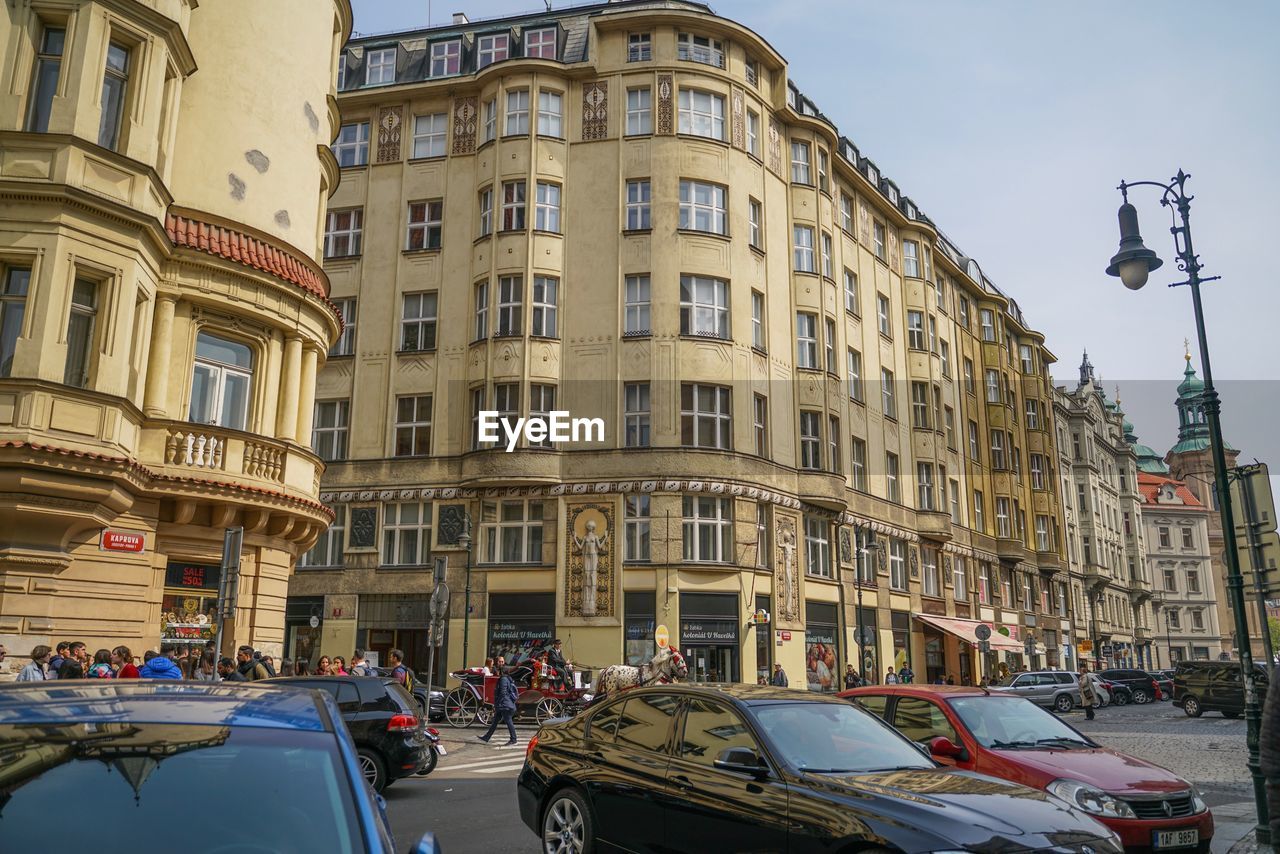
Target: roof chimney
[[461, 18]]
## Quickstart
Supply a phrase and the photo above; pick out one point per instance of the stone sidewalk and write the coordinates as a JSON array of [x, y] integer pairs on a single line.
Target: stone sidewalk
[[1233, 830]]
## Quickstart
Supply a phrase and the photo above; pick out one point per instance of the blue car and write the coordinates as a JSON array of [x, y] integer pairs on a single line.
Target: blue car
[[128, 766]]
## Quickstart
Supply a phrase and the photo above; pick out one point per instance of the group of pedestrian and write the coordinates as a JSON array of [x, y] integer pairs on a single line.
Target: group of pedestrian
[[904, 676], [70, 660]]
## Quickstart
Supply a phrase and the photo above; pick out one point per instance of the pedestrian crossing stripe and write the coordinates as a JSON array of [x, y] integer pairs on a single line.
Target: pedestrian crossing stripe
[[497, 760], [499, 768]]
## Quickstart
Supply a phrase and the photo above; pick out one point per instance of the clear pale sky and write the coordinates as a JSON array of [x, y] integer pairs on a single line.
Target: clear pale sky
[[1011, 122]]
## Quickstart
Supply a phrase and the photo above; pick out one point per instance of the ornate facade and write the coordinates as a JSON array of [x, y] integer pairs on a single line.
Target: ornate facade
[[163, 311], [811, 396]]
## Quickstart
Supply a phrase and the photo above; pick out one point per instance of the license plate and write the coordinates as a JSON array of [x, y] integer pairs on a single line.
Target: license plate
[[1176, 838], [440, 749]]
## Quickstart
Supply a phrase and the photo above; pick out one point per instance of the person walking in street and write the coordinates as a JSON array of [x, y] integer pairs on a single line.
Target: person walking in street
[[1088, 696], [101, 667], [160, 666], [250, 668], [890, 678], [37, 670], [779, 678], [122, 661], [359, 667], [504, 708], [404, 675]]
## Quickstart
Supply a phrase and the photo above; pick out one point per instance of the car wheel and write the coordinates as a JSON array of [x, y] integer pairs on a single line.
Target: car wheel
[[373, 769], [1140, 696], [567, 824], [1120, 698], [1191, 706], [1064, 703], [429, 764]]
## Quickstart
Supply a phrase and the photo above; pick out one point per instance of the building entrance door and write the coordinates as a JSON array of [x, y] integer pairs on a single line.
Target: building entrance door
[[712, 663]]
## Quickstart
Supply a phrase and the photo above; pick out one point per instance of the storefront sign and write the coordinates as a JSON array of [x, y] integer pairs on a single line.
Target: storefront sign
[[708, 631], [122, 541], [661, 636], [786, 636], [192, 576]]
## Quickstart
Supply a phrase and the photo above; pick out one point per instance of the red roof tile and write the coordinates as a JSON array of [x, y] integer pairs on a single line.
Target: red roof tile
[[1149, 485]]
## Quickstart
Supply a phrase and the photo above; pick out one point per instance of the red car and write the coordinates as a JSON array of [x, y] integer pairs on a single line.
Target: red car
[[1012, 738]]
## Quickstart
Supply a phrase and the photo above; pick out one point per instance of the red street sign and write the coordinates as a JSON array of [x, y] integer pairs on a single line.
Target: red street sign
[[122, 541], [785, 635]]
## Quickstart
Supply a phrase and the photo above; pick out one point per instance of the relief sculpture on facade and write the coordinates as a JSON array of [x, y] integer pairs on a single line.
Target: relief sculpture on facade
[[589, 578], [787, 581]]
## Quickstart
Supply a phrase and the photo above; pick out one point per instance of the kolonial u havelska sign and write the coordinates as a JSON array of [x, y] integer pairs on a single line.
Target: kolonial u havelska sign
[[556, 427]]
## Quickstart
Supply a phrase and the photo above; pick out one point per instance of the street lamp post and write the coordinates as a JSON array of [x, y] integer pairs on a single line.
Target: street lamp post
[[464, 540], [1168, 636], [1132, 264]]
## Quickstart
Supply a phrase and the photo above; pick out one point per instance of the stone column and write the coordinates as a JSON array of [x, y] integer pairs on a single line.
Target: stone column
[[307, 395], [157, 387], [271, 399], [287, 415]]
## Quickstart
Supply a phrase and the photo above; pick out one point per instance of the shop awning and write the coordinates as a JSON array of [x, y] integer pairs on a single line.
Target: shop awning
[[964, 629]]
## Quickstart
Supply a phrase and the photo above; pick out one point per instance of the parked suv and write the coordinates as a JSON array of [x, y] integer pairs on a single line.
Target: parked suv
[[1054, 688], [1214, 686], [1139, 682], [383, 720]]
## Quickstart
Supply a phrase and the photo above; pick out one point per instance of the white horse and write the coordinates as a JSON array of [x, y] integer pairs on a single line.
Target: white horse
[[667, 666]]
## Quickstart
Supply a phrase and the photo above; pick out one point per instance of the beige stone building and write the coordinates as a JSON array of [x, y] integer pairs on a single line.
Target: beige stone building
[[164, 168], [630, 212]]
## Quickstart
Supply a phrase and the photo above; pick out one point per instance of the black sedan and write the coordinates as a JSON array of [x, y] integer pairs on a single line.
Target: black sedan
[[755, 768]]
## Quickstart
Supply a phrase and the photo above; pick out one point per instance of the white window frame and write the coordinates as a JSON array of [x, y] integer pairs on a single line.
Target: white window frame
[[639, 47], [691, 47], [801, 163], [639, 202], [446, 58], [515, 205], [481, 308], [550, 113], [491, 48], [851, 292], [328, 549], [802, 253], [810, 440], [220, 374], [698, 418], [883, 309], [418, 321], [425, 225], [546, 211], [911, 259], [346, 343], [806, 341], [892, 472], [412, 425], [544, 307], [639, 111], [708, 318], [817, 547], [430, 135], [406, 543], [637, 415], [380, 66], [757, 320], [348, 238], [888, 395], [701, 113], [897, 564], [636, 305], [536, 43], [636, 528], [351, 148], [854, 368], [512, 539], [517, 113], [510, 307], [755, 223], [704, 207], [707, 529], [486, 211]]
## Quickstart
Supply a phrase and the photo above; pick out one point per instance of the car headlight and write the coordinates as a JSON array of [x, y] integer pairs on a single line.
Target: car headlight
[[1090, 799], [1197, 801]]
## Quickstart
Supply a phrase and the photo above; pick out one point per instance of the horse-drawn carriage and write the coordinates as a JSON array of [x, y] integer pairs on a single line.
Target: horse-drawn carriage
[[547, 699]]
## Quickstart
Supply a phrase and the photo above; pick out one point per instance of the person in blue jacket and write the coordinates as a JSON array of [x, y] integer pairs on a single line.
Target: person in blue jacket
[[504, 709], [160, 666]]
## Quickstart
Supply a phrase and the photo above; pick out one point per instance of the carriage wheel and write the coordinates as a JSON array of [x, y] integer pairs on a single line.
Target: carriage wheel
[[485, 714], [460, 707], [548, 708]]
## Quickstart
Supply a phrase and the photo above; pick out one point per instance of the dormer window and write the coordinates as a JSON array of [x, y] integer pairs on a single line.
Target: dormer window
[[873, 175], [491, 49], [540, 44], [446, 58], [703, 49], [380, 66], [974, 272]]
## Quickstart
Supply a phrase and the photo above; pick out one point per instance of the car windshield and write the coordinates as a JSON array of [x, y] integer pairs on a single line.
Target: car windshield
[[1014, 723], [835, 738], [257, 789]]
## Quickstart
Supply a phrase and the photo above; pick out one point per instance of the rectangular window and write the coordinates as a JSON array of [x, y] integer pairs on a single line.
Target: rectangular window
[[968, 376], [490, 115], [949, 426], [542, 402], [380, 66], [510, 306], [925, 486], [638, 201], [346, 343], [810, 441], [757, 320], [44, 84], [755, 220], [897, 564], [351, 148], [964, 312], [829, 339], [803, 254], [877, 237], [817, 547], [706, 416], [1193, 581], [430, 134], [221, 382], [1024, 353], [550, 114], [858, 457], [491, 49], [824, 171], [753, 133], [891, 478], [800, 164], [955, 501], [707, 529], [635, 517], [704, 306], [406, 533], [984, 584], [888, 398], [806, 341], [540, 44], [915, 330], [945, 357], [329, 432], [828, 269], [482, 311], [517, 112], [80, 333], [1165, 541], [342, 233], [1042, 533], [856, 390], [639, 47], [931, 582], [544, 307], [703, 207], [328, 549], [1187, 541], [850, 291], [762, 534], [115, 82], [933, 334], [979, 512], [760, 424], [701, 113], [882, 315], [846, 213], [911, 259], [920, 405], [751, 71], [703, 49], [636, 415], [1003, 527], [639, 111], [988, 324], [546, 215], [486, 211], [993, 385], [511, 531], [413, 426], [418, 322], [477, 404], [1033, 414], [514, 206], [425, 225], [997, 449], [636, 308], [974, 453]]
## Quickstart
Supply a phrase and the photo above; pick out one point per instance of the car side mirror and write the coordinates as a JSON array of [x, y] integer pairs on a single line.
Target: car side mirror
[[742, 760], [426, 845], [946, 748]]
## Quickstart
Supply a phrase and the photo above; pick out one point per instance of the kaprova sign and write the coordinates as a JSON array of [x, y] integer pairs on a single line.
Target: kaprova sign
[[122, 541]]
